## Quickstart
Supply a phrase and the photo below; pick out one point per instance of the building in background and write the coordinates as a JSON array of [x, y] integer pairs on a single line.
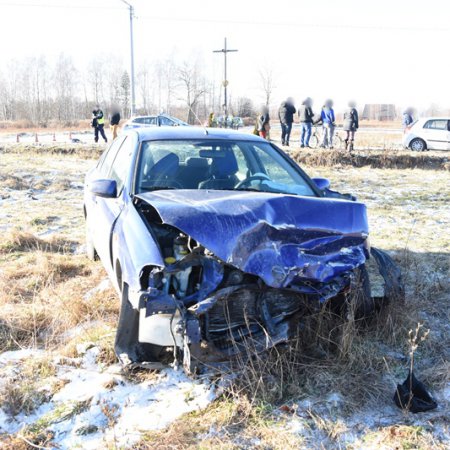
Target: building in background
[[379, 112]]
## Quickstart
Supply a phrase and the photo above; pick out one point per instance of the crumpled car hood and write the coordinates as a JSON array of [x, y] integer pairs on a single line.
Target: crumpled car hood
[[280, 238]]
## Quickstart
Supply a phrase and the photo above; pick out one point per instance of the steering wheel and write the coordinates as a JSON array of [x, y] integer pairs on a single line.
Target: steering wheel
[[256, 176]]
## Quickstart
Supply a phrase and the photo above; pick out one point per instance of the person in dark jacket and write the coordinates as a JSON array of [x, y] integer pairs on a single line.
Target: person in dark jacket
[[98, 123], [114, 121], [286, 116], [306, 116], [327, 118], [351, 124], [407, 118], [264, 122]]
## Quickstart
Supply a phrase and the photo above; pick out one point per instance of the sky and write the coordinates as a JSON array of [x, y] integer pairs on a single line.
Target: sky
[[379, 51]]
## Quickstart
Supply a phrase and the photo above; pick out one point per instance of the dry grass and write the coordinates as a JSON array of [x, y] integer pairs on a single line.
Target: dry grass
[[69, 149], [29, 388], [26, 125], [228, 424], [399, 437], [17, 240], [376, 159]]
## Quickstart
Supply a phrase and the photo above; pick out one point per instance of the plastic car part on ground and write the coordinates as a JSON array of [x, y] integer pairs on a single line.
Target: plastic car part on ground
[[413, 396]]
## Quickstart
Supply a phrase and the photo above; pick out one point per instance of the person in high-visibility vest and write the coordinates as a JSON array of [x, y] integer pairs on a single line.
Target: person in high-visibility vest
[[98, 123]]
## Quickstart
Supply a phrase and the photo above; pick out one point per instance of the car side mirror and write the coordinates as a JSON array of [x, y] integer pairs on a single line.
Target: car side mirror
[[104, 188], [322, 183]]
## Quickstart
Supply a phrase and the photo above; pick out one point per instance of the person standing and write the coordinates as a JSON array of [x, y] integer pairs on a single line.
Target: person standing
[[306, 116], [286, 116], [98, 122], [328, 124], [407, 119], [264, 123], [114, 122], [351, 125]]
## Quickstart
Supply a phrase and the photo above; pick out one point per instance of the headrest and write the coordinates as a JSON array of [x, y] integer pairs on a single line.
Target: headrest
[[166, 166], [196, 162], [225, 165]]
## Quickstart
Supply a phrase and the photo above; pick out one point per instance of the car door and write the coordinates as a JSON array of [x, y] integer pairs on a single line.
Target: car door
[[435, 133], [109, 209], [101, 171]]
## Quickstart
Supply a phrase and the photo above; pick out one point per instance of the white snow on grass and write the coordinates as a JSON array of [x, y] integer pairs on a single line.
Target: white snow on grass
[[98, 406]]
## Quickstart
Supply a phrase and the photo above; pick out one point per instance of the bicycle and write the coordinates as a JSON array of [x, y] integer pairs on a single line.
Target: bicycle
[[317, 138]]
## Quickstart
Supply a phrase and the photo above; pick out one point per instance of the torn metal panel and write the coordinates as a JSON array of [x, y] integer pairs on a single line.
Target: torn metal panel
[[394, 288], [279, 238]]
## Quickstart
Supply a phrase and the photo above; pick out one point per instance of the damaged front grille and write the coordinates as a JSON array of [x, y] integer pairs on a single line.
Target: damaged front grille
[[247, 313]]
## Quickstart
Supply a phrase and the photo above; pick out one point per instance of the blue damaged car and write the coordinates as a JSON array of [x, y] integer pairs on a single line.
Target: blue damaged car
[[213, 237]]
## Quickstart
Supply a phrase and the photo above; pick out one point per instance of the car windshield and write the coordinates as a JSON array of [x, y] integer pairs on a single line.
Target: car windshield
[[217, 165]]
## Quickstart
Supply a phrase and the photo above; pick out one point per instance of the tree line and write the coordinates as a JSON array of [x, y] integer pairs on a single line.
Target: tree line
[[37, 90]]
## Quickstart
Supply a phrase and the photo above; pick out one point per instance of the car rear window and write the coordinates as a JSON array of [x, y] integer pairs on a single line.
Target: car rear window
[[437, 124]]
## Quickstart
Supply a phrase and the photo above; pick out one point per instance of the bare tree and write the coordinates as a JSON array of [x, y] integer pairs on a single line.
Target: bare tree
[[193, 85], [95, 78], [113, 72], [144, 84], [267, 77], [65, 80], [243, 107], [125, 93]]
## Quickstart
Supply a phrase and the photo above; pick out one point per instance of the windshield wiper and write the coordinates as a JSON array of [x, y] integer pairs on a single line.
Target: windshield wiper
[[157, 188], [248, 189]]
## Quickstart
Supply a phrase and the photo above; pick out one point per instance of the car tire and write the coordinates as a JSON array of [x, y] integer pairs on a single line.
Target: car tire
[[91, 253], [127, 347], [360, 304], [418, 145], [314, 141]]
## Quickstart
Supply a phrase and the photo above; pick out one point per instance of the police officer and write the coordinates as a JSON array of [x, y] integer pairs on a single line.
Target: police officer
[[98, 123]]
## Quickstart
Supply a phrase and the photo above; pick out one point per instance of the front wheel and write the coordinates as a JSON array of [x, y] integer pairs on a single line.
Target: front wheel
[[418, 145], [314, 141], [337, 142]]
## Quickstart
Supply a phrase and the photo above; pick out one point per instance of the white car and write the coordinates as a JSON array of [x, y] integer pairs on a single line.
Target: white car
[[154, 121], [429, 133]]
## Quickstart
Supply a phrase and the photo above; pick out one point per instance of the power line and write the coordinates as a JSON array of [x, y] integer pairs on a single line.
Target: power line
[[58, 6], [293, 24], [237, 22]]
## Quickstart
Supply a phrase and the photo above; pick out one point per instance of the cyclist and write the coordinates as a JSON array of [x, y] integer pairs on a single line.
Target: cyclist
[[327, 118]]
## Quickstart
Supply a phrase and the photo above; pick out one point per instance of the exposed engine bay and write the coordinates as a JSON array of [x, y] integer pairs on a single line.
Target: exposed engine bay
[[206, 308]]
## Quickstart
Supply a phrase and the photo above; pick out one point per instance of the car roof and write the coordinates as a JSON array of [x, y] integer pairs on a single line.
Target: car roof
[[178, 133], [153, 115], [433, 118]]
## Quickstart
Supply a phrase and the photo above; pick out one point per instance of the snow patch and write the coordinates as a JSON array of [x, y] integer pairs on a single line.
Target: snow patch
[[98, 407]]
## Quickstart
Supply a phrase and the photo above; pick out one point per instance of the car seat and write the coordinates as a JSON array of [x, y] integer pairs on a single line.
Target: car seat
[[163, 173], [222, 173], [197, 170]]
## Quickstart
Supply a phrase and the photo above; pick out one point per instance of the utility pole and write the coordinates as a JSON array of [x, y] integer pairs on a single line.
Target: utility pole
[[133, 90], [225, 50]]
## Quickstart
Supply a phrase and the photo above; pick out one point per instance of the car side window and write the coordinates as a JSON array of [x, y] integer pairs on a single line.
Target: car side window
[[139, 120], [437, 125], [164, 121], [121, 164], [105, 166]]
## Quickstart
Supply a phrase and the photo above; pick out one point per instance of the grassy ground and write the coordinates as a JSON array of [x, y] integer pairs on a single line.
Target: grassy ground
[[332, 388]]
